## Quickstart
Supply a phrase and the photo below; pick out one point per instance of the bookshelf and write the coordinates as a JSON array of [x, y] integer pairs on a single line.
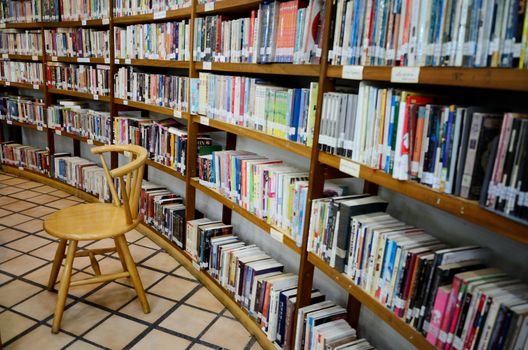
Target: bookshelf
[[321, 165]]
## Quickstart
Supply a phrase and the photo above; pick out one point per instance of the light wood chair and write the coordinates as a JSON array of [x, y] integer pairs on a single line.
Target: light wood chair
[[98, 221]]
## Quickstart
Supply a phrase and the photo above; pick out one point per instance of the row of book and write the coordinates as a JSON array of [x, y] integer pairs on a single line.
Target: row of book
[[430, 33], [163, 210], [282, 112], [407, 135], [21, 72], [446, 293], [23, 109], [26, 157], [77, 42], [74, 117], [81, 78], [74, 10], [268, 188], [158, 41], [157, 89], [283, 32], [19, 11], [20, 42], [140, 7]]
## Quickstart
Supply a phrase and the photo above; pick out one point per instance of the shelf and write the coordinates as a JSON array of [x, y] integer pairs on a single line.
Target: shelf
[[166, 169], [79, 94], [487, 78], [387, 316], [270, 229], [152, 108], [22, 25], [22, 85], [306, 70], [98, 60], [168, 15], [10, 56], [465, 209], [73, 24], [227, 6], [78, 137], [153, 63], [290, 146], [26, 125]]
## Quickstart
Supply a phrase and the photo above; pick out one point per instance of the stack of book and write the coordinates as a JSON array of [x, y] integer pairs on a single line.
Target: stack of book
[[21, 72], [26, 157], [12, 11], [282, 112], [20, 42], [157, 89], [282, 32], [155, 41], [75, 118], [81, 78], [73, 10], [24, 110], [77, 42], [139, 7], [81, 173], [430, 33], [163, 210]]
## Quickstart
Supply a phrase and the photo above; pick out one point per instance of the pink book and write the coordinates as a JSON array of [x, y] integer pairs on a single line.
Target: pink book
[[437, 315], [449, 313]]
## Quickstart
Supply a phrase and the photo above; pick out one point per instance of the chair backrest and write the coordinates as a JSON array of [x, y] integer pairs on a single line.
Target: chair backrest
[[130, 176]]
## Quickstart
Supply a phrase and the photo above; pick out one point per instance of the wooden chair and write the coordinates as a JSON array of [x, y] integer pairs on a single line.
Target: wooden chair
[[97, 221]]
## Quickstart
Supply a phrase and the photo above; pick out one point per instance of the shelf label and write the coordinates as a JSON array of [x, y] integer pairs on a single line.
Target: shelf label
[[204, 120], [54, 58], [107, 61], [277, 235], [83, 22], [2, 25], [349, 167], [117, 61], [58, 132], [39, 128], [209, 6], [10, 122], [125, 102], [5, 55], [106, 21], [89, 141], [352, 72], [405, 74], [36, 86], [207, 66], [7, 83], [160, 14], [96, 97], [128, 61], [83, 60], [177, 113], [21, 168], [34, 58]]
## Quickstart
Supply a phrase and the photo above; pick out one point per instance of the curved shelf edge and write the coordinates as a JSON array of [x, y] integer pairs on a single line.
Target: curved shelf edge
[[305, 70], [26, 125], [152, 108], [83, 95], [168, 15], [152, 63]]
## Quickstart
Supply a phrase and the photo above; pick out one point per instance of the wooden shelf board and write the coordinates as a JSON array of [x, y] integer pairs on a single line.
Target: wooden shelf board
[[98, 60], [73, 24], [165, 169], [77, 137], [23, 57], [25, 125], [287, 241], [229, 6], [465, 209], [149, 17], [399, 325], [78, 94], [153, 63], [23, 25], [487, 78], [308, 70], [22, 85], [149, 107]]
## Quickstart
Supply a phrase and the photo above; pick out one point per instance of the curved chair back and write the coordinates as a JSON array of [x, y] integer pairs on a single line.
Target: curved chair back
[[130, 177]]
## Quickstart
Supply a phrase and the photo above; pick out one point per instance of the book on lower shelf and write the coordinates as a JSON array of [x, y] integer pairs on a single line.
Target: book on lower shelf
[[21, 72], [24, 109], [77, 42], [25, 157], [20, 42], [79, 78]]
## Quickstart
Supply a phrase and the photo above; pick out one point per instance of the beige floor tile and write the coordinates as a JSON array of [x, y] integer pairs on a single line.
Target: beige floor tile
[[80, 291], [6, 200], [106, 335], [8, 190], [188, 320], [25, 194], [59, 193], [227, 333], [9, 234], [14, 219], [46, 252], [204, 299], [102, 243], [6, 254], [29, 185], [173, 287], [28, 243], [14, 292], [43, 199], [182, 271], [14, 181], [22, 264], [4, 212], [228, 313], [148, 277], [160, 341], [41, 338], [146, 242], [12, 324], [162, 261], [39, 211], [158, 307], [41, 276], [40, 306], [112, 296], [82, 345], [80, 317], [133, 236], [45, 189], [140, 253], [19, 206], [4, 278], [256, 346], [109, 265], [75, 199], [31, 226], [200, 347], [61, 204], [4, 177]]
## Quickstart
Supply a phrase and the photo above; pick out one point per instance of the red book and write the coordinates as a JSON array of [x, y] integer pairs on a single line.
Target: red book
[[438, 313]]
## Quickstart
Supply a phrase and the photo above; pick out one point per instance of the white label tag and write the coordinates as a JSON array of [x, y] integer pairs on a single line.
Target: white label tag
[[89, 141], [20, 168], [117, 61], [58, 132], [160, 15], [106, 21], [2, 25], [128, 61], [352, 72], [83, 22], [177, 113], [34, 58], [107, 61], [204, 120], [54, 58], [209, 6], [7, 83], [36, 86], [405, 74], [5, 55], [125, 102], [10, 122], [207, 66], [277, 235], [83, 60], [349, 167], [96, 97], [39, 128]]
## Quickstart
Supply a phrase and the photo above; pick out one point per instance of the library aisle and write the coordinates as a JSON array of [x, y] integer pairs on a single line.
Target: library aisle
[[184, 314]]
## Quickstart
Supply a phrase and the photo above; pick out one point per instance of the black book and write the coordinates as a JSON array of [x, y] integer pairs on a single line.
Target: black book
[[489, 172], [500, 204]]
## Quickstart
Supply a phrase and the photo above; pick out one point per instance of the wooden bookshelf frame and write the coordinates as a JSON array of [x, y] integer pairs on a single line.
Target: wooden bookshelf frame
[[322, 165]]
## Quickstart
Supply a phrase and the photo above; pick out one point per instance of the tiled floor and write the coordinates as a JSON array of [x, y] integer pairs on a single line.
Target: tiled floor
[[184, 315]]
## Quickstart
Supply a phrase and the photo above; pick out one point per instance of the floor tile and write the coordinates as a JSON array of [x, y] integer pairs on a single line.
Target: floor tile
[[140, 253], [6, 200], [148, 277], [160, 340], [16, 291], [43, 199], [173, 287], [146, 242], [18, 206], [9, 234], [201, 347], [47, 251], [162, 261], [204, 299], [14, 181], [29, 185], [133, 236], [31, 226], [183, 272], [106, 335], [76, 199], [256, 346], [45, 189], [80, 317], [4, 212], [12, 324], [28, 243], [39, 211], [22, 264], [25, 195], [7, 254], [15, 219], [40, 306], [82, 345], [188, 320], [41, 338], [4, 278], [8, 190], [227, 333], [158, 307], [59, 193], [61, 204], [112, 296]]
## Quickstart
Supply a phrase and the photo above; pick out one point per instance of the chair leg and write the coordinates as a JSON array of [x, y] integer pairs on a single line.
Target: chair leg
[[57, 260], [120, 255], [64, 286], [134, 276]]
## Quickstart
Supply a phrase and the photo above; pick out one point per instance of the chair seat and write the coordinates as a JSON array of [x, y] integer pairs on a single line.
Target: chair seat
[[88, 222]]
